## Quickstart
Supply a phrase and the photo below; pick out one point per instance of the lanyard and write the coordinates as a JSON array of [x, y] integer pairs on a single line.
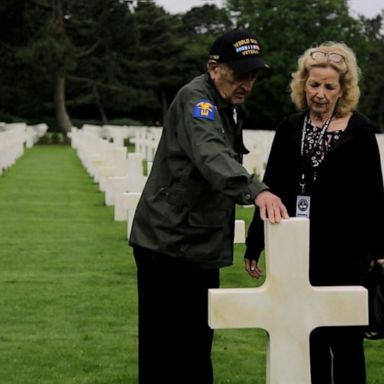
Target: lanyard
[[314, 147], [321, 136]]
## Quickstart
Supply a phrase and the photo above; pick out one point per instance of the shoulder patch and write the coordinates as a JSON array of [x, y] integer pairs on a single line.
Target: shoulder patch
[[204, 109]]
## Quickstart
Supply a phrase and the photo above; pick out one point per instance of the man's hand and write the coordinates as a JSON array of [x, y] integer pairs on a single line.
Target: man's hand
[[271, 207]]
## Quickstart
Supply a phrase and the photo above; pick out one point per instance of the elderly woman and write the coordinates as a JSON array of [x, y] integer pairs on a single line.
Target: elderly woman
[[325, 165]]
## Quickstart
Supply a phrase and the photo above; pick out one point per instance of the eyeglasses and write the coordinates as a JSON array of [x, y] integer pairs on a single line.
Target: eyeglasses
[[246, 77], [330, 56], [237, 78]]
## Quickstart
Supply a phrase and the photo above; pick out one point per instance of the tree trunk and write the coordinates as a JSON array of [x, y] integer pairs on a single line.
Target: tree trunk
[[99, 104], [62, 118]]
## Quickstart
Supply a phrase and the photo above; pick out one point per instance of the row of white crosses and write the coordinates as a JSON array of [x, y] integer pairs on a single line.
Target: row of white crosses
[[259, 143], [109, 164], [146, 141], [14, 138], [34, 133], [126, 192], [119, 173]]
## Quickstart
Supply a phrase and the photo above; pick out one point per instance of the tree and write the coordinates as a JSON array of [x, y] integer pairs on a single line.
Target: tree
[[200, 26], [160, 47], [372, 99], [63, 45], [285, 29], [50, 51], [23, 85], [104, 32], [205, 20], [105, 59]]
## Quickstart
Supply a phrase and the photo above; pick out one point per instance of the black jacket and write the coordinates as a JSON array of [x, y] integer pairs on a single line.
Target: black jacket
[[347, 200]]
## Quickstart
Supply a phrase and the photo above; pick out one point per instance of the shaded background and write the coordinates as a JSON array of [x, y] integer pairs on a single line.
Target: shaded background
[[66, 62]]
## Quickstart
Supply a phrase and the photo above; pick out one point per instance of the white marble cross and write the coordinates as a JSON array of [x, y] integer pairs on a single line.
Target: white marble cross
[[286, 305]]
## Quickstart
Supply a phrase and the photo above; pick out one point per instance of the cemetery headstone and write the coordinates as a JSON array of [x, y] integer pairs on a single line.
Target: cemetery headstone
[[286, 305]]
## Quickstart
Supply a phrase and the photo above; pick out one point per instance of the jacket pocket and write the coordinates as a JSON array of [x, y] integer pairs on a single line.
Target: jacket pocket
[[211, 219]]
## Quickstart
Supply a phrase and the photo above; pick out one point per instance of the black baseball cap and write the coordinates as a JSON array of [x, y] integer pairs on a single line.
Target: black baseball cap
[[239, 49]]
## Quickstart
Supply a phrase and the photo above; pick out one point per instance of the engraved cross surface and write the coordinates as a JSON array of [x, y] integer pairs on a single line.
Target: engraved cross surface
[[286, 305]]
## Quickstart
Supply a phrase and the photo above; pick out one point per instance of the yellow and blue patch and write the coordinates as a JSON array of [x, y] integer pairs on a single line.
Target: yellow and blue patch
[[204, 109]]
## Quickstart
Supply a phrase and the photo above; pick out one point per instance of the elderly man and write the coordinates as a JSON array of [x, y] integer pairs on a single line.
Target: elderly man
[[183, 229]]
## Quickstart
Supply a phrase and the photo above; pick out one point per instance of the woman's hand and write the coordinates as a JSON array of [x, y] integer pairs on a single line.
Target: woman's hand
[[252, 268]]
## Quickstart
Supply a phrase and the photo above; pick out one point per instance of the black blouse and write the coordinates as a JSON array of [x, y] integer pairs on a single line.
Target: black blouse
[[315, 147]]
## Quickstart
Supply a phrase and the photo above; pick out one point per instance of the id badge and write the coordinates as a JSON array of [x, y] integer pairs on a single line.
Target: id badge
[[303, 205]]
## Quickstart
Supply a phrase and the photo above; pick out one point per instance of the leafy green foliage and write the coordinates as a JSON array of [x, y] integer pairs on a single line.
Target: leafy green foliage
[[123, 58], [286, 29], [373, 80]]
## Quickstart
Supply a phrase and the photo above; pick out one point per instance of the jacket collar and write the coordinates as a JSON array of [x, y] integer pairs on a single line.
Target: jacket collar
[[219, 101], [226, 108]]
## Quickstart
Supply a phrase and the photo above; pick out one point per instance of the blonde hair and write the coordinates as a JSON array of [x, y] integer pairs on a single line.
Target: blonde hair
[[348, 70]]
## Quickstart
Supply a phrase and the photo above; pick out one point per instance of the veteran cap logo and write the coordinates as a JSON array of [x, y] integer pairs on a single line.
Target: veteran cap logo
[[239, 49]]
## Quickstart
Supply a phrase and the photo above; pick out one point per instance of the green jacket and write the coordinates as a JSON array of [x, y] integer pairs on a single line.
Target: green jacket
[[187, 207]]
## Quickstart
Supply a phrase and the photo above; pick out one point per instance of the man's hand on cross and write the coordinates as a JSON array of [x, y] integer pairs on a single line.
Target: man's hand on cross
[[271, 207]]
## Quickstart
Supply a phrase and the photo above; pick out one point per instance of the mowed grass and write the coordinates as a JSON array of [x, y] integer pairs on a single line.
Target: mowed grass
[[67, 278], [68, 306]]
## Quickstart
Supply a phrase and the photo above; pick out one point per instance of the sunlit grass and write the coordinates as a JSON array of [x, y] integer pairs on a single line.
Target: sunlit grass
[[67, 278]]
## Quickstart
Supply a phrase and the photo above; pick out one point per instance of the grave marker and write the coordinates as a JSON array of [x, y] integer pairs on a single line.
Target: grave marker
[[286, 305]]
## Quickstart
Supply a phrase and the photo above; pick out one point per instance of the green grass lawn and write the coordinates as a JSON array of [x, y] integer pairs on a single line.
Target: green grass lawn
[[68, 307], [67, 278]]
